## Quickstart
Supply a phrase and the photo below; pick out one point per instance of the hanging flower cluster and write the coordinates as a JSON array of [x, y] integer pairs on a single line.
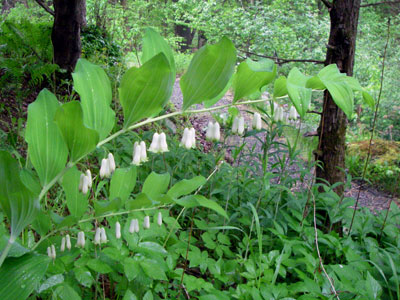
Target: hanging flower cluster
[[81, 240], [213, 131], [238, 125], [256, 124], [189, 138], [139, 153], [65, 241], [293, 115], [159, 143], [100, 236], [107, 166], [278, 114], [134, 226], [85, 182]]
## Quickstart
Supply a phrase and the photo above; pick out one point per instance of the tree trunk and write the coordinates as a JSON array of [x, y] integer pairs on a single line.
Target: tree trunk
[[66, 34], [332, 128]]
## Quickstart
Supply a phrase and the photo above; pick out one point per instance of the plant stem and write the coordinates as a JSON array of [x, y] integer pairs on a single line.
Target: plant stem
[[5, 251]]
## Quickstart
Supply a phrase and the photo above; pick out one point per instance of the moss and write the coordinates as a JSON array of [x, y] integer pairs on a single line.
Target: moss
[[382, 152]]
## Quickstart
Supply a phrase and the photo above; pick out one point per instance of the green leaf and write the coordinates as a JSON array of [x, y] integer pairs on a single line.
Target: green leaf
[[338, 86], [51, 282], [66, 292], [368, 99], [185, 186], [144, 91], [42, 223], [198, 200], [280, 89], [16, 200], [131, 268], [141, 201], [99, 266], [20, 276], [129, 295], [156, 184], [153, 44], [30, 180], [122, 183], [102, 207], [80, 140], [209, 72], [16, 249], [77, 202], [94, 89], [84, 276], [251, 76], [46, 147], [214, 100], [153, 269], [373, 287], [299, 94]]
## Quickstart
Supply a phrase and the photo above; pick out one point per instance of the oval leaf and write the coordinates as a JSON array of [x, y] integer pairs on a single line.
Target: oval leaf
[[298, 93], [208, 73], [80, 140], [144, 91], [122, 183], [94, 89], [46, 147], [77, 202]]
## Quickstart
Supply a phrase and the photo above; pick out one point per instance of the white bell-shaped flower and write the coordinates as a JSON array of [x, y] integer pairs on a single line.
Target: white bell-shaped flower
[[111, 162], [235, 125], [136, 225], [62, 248], [103, 236], [159, 219], [81, 180], [136, 154], [143, 152], [132, 226], [189, 138], [81, 239], [193, 136], [146, 222], [257, 123], [293, 115], [117, 230], [49, 254], [53, 252], [105, 168], [209, 132], [154, 143], [216, 132], [96, 240], [240, 130], [89, 177], [278, 114], [68, 241], [163, 146]]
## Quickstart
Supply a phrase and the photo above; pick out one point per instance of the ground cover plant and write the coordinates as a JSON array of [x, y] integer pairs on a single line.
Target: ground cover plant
[[128, 205]]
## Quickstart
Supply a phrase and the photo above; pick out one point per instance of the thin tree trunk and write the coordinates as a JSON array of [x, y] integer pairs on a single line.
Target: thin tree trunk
[[332, 129], [65, 36]]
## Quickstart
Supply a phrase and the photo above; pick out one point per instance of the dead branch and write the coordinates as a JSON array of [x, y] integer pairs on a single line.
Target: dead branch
[[46, 8], [380, 3], [327, 4], [281, 61]]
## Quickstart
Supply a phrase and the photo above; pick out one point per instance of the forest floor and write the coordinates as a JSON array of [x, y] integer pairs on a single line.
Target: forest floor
[[376, 200]]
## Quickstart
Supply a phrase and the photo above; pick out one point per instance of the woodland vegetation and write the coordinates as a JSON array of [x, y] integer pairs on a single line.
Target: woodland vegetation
[[204, 150]]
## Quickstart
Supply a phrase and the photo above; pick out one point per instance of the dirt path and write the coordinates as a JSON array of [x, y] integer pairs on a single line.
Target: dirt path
[[369, 196]]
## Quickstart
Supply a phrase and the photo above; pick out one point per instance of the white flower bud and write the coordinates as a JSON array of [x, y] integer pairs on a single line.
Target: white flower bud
[[49, 254], [132, 226], [143, 152], [163, 147], [209, 132], [111, 163], [81, 239], [62, 248], [103, 236], [89, 177], [146, 223], [117, 230], [159, 219], [68, 241], [81, 181], [97, 236], [235, 125], [104, 169], [136, 155], [216, 132], [53, 252], [185, 141], [240, 130], [136, 227], [293, 113], [281, 117], [257, 123], [154, 143], [85, 185]]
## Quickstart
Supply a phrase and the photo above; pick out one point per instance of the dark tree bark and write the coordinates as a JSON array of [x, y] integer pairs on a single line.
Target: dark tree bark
[[332, 129], [66, 34], [186, 33]]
